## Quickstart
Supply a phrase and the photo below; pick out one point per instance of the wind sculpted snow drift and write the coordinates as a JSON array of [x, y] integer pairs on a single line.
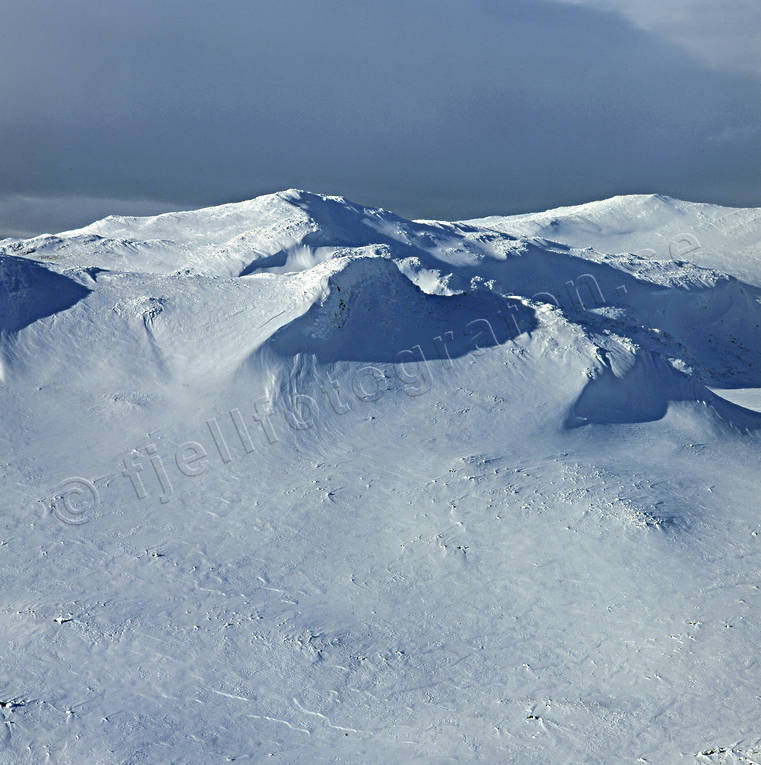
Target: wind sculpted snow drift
[[294, 479]]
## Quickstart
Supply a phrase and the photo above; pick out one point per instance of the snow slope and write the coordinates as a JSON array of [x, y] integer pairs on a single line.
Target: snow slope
[[652, 225], [297, 480]]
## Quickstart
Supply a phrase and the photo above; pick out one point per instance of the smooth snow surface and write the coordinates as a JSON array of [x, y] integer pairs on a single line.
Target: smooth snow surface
[[750, 398], [296, 480]]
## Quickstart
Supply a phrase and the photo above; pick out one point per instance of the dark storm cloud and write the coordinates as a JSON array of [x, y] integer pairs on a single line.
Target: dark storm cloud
[[446, 109]]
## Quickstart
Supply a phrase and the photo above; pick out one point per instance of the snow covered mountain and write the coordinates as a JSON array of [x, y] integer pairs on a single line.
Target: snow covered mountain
[[298, 480], [652, 224]]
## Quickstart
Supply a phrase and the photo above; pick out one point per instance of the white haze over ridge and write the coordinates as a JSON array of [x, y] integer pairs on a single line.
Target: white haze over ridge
[[20, 214]]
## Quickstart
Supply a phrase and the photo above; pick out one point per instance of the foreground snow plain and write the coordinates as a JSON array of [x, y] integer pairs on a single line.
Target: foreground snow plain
[[297, 480]]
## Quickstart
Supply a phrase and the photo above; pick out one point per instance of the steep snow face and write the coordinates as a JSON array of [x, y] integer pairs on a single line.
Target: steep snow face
[[358, 318], [28, 292], [300, 480]]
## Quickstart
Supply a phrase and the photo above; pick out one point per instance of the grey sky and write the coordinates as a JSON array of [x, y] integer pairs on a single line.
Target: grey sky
[[442, 109], [725, 34]]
